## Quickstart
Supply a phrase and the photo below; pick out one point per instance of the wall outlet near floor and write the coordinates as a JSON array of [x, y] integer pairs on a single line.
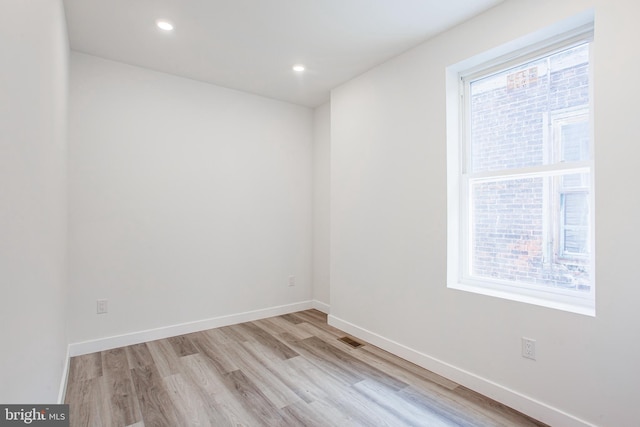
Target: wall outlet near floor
[[292, 280], [102, 306], [529, 348]]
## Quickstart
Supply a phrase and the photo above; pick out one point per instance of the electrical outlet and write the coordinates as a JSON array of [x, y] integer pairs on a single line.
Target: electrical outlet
[[292, 280], [529, 348], [102, 306]]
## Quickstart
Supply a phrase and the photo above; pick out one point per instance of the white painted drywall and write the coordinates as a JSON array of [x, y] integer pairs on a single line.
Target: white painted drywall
[[187, 201], [321, 201], [389, 222], [33, 208]]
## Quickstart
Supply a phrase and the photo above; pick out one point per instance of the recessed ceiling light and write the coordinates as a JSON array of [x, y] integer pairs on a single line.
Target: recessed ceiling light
[[298, 67], [164, 25]]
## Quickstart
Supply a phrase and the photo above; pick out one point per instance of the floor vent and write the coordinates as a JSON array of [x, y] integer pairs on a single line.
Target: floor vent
[[353, 343]]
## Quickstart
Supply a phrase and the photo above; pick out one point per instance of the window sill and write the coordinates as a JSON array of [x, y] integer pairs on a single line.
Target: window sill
[[535, 297]]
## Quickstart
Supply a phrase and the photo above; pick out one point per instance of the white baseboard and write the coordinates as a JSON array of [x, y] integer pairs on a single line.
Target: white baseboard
[[321, 306], [65, 376], [101, 344], [518, 401]]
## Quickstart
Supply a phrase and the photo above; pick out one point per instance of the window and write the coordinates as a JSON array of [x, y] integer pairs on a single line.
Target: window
[[520, 176]]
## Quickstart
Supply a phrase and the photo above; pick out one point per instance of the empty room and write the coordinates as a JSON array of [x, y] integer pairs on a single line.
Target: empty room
[[319, 213]]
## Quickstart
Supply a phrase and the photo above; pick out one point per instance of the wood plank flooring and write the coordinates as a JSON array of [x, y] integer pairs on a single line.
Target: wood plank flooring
[[290, 370]]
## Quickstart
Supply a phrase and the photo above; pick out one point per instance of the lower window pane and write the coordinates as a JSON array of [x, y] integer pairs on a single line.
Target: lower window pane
[[514, 228]]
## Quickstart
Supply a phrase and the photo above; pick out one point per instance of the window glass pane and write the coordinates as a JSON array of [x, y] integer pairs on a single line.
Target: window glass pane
[[511, 240], [510, 110]]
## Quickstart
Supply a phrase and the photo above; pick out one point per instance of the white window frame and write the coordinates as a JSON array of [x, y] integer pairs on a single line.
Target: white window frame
[[458, 203]]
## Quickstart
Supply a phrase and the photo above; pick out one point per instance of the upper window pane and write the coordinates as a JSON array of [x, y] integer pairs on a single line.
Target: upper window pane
[[512, 113]]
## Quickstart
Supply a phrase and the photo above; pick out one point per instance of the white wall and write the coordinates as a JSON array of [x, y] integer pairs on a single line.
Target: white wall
[[188, 201], [33, 213], [321, 202], [389, 223]]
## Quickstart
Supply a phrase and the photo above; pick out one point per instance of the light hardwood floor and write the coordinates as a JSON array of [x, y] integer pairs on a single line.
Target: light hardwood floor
[[289, 370]]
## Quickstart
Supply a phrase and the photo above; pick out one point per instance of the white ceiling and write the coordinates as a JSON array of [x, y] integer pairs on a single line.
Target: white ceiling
[[251, 45]]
